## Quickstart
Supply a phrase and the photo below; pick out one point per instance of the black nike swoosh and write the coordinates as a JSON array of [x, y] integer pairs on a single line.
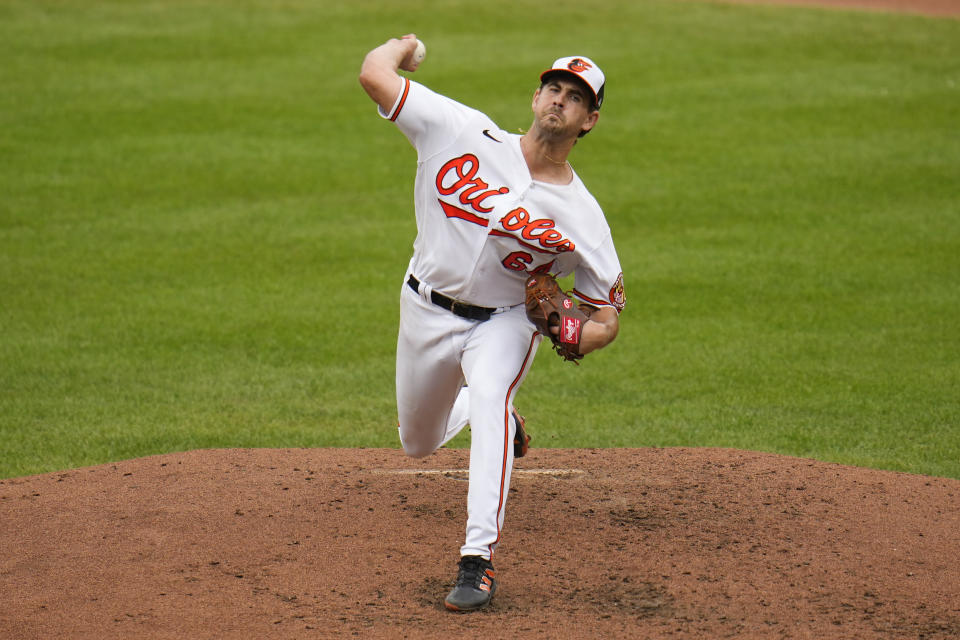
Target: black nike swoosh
[[486, 132]]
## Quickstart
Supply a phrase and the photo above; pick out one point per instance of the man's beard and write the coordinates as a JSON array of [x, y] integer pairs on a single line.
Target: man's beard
[[555, 126]]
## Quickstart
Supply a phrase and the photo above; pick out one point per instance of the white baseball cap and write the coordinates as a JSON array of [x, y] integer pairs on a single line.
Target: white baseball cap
[[583, 68]]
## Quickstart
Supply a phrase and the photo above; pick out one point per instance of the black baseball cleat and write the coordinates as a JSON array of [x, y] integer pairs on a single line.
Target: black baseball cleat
[[521, 441], [475, 585]]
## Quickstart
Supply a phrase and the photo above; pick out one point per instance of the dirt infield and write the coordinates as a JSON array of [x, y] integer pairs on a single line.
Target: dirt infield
[[612, 543]]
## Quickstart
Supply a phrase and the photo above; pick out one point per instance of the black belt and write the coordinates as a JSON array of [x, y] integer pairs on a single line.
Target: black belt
[[462, 309]]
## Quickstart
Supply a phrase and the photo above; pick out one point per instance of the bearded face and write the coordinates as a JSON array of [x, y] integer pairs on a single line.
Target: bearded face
[[562, 108]]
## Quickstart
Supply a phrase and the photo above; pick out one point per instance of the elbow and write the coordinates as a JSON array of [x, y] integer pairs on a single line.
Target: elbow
[[610, 333], [599, 333], [377, 81], [610, 321], [366, 75], [370, 72]]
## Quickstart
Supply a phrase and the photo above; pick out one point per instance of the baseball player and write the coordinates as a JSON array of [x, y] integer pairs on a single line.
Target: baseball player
[[491, 208]]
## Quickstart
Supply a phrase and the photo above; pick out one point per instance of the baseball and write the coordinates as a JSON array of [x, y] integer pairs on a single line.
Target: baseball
[[419, 53]]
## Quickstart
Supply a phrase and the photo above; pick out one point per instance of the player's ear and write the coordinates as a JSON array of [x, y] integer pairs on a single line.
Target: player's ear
[[536, 94], [591, 121]]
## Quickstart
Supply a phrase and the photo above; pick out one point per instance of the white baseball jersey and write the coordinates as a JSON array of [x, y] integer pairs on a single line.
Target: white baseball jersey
[[483, 222]]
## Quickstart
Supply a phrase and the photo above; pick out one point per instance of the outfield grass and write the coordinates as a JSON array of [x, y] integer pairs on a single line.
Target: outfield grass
[[204, 225]]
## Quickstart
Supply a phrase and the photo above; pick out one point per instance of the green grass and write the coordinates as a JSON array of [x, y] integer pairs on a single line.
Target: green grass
[[204, 225]]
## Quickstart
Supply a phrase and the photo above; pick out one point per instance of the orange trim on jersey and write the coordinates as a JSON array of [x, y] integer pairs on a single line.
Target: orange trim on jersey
[[403, 99], [456, 212], [589, 300], [507, 442]]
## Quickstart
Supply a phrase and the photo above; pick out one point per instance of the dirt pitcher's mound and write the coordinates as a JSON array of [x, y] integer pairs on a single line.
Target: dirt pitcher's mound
[[611, 543]]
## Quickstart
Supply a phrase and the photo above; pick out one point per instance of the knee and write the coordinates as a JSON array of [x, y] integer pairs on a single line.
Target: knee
[[416, 449]]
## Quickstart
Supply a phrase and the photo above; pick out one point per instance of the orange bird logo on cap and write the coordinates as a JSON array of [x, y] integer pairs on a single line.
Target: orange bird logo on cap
[[578, 66]]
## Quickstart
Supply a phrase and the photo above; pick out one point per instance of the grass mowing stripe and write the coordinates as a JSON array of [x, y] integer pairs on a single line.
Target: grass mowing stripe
[[204, 225]]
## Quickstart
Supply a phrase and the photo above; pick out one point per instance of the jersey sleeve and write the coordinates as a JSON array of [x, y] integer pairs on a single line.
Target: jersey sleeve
[[598, 280], [428, 120]]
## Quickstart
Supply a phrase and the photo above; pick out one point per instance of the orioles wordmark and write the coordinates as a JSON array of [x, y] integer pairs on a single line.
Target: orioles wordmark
[[460, 175], [463, 171]]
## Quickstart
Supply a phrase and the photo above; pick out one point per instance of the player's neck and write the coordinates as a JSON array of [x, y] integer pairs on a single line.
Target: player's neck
[[547, 162]]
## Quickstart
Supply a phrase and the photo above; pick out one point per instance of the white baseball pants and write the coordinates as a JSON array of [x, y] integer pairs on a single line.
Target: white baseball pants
[[437, 354]]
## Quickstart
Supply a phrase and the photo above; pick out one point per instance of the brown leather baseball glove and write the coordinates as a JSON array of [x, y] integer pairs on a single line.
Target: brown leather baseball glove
[[548, 306]]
